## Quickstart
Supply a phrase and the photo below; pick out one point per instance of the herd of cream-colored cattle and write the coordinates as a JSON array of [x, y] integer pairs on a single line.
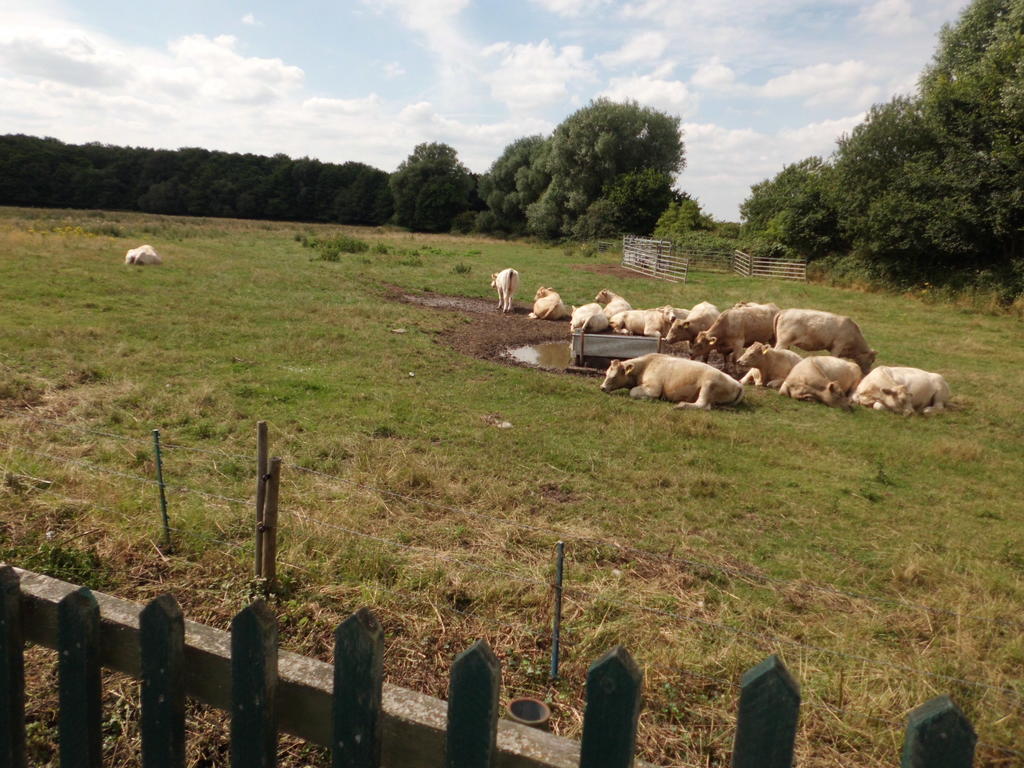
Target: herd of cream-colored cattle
[[757, 336]]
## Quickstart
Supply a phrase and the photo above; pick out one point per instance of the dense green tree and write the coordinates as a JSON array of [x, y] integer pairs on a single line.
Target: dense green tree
[[638, 199], [681, 218], [430, 187], [591, 149], [515, 180]]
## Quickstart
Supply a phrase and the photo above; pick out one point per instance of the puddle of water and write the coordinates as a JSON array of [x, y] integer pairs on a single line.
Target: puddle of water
[[550, 354]]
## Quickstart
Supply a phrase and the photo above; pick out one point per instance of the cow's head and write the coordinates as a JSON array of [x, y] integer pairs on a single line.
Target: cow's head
[[679, 331], [866, 360], [896, 399], [604, 296], [834, 396], [494, 280], [618, 375], [703, 344], [754, 355], [541, 293]]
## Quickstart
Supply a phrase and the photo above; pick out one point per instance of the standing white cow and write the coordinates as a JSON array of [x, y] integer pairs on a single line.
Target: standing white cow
[[812, 330], [902, 390], [507, 283], [144, 254]]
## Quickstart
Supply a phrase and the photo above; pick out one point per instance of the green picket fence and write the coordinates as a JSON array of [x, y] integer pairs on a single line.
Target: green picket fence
[[151, 644]]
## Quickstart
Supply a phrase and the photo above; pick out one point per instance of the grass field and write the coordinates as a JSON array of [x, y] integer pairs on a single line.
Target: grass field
[[881, 557]]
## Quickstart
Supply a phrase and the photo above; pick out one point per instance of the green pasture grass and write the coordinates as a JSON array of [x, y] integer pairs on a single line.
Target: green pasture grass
[[242, 323]]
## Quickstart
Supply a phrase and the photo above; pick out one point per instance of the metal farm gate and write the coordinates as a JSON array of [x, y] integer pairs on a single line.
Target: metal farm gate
[[653, 257], [760, 266]]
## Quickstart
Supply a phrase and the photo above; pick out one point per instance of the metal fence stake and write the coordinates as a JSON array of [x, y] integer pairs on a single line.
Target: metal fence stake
[[163, 494], [556, 635]]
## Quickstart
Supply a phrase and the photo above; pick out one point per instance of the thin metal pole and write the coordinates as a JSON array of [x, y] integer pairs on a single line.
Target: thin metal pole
[[163, 494], [261, 493], [557, 632]]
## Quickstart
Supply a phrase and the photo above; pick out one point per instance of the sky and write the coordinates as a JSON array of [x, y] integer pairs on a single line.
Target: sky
[[757, 84]]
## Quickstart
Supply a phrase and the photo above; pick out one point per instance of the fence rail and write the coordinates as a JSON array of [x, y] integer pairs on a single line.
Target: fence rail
[[761, 266], [655, 258], [347, 707]]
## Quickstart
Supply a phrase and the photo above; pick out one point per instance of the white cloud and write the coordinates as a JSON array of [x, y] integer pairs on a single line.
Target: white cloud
[[889, 17], [570, 8], [63, 55], [713, 75], [847, 82], [393, 69], [250, 20], [646, 46], [670, 95], [529, 77]]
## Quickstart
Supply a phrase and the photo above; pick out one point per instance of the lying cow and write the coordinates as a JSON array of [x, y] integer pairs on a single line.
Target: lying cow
[[642, 322], [144, 254], [903, 390], [812, 330], [676, 313], [613, 303], [589, 318], [825, 379], [768, 367], [548, 305], [698, 319], [735, 329], [506, 283], [686, 382]]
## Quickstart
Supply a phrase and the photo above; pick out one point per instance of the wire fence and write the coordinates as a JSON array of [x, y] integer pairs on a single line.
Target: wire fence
[[750, 576]]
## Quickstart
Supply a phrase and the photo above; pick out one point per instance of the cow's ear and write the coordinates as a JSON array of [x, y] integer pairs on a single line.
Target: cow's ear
[[832, 387], [629, 368], [888, 391], [686, 323], [712, 339]]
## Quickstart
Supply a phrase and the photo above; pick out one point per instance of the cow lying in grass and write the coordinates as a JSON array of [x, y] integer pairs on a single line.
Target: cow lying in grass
[[642, 322], [144, 254], [823, 379], [768, 367], [613, 303], [903, 390], [548, 305], [686, 382]]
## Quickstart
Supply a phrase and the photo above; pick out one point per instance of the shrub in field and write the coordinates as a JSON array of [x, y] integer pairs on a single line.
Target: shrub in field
[[464, 222], [462, 269], [331, 248]]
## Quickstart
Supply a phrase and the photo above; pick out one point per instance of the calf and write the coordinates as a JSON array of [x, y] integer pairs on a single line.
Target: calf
[[144, 254], [686, 382], [768, 367], [903, 390], [642, 322], [824, 379], [506, 283], [588, 318], [736, 328], [697, 319], [812, 330], [548, 305], [613, 303]]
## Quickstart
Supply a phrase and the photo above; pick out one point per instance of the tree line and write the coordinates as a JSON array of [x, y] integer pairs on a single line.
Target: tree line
[[928, 187]]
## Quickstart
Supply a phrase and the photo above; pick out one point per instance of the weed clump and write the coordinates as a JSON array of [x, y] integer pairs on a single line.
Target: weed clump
[[331, 248]]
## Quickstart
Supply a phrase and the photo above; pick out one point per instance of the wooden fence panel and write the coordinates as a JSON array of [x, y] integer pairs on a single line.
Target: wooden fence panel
[[767, 719], [162, 660], [254, 688], [938, 735], [80, 721], [614, 687], [12, 672], [473, 708], [358, 686]]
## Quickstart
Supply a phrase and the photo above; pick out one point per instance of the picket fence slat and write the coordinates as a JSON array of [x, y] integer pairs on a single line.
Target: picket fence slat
[[767, 719], [473, 708], [614, 687], [162, 661], [12, 672], [938, 735], [358, 687], [254, 688], [80, 720]]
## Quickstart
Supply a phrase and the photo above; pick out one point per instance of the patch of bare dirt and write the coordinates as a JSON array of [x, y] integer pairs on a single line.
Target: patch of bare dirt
[[492, 334]]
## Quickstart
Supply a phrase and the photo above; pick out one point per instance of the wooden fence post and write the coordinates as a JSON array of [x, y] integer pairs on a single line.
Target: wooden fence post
[[270, 525], [254, 688], [768, 712], [939, 735], [614, 685], [80, 720], [358, 686], [261, 493], [473, 708], [162, 675], [12, 672]]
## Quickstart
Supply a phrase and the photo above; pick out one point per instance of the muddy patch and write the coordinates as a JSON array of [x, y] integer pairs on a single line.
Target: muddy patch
[[493, 336]]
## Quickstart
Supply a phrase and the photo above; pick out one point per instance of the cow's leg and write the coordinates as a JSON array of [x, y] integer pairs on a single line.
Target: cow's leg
[[703, 401], [753, 376], [645, 393]]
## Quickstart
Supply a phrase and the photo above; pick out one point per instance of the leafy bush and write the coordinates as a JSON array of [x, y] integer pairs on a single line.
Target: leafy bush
[[462, 269], [464, 222], [331, 248]]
